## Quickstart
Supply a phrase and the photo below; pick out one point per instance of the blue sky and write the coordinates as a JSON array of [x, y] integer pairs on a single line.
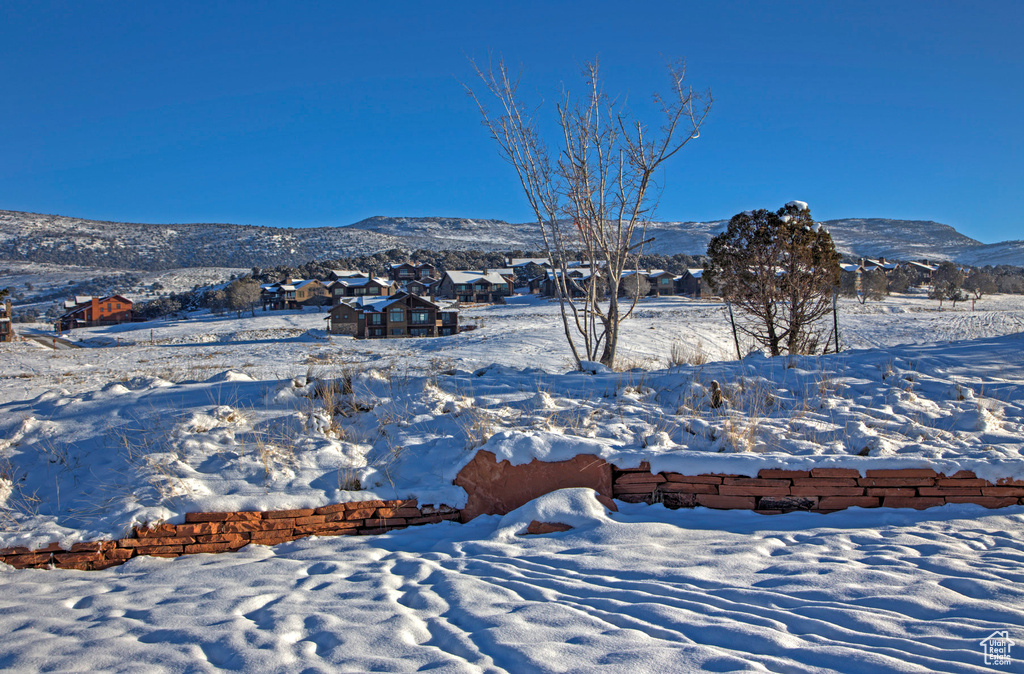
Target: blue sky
[[311, 114]]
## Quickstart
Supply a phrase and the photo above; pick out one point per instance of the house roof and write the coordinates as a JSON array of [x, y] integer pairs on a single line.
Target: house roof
[[356, 282], [523, 261], [491, 277]]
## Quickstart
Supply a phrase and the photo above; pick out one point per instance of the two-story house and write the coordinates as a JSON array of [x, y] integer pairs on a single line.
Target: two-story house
[[400, 315], [410, 271], [6, 325], [294, 294], [88, 311], [475, 286], [361, 286]]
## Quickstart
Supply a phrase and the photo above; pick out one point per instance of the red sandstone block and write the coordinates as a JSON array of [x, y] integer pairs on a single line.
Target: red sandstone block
[[779, 473], [892, 491], [50, 547], [755, 482], [835, 472], [694, 479], [947, 491], [359, 513], [209, 528], [390, 522], [359, 505], [963, 475], [1008, 482], [329, 509], [274, 525], [17, 550], [1003, 491], [106, 564], [726, 502], [645, 488], [333, 529], [223, 538], [842, 502], [91, 546], [688, 488], [385, 512], [961, 482], [80, 565], [751, 490], [427, 519], [157, 531], [371, 532], [119, 553], [896, 482], [165, 555], [292, 514], [902, 472], [214, 547], [633, 478], [272, 537], [150, 542], [917, 502], [826, 490], [825, 482], [244, 516], [66, 559], [407, 512], [401, 503], [987, 501], [156, 550], [311, 519], [25, 561]]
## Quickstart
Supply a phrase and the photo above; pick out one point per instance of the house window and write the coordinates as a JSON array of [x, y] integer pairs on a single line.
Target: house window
[[396, 332], [375, 319], [420, 332], [420, 317], [372, 290], [396, 315], [665, 281]]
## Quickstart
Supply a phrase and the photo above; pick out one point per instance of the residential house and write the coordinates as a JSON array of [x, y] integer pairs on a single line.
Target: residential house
[[400, 315], [690, 283], [577, 282], [294, 294], [424, 287], [87, 311], [360, 286], [475, 286], [6, 326], [662, 283], [410, 271]]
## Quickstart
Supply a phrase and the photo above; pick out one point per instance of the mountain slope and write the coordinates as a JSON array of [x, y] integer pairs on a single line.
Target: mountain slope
[[74, 241]]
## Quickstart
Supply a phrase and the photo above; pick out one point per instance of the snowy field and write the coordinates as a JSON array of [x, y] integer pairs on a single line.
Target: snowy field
[[148, 421]]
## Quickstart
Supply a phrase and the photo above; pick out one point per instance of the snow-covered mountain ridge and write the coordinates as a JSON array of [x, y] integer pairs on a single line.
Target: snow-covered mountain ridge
[[65, 240]]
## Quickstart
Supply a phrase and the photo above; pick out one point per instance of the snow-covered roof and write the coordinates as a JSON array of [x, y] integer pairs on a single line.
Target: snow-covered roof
[[356, 282], [523, 261], [494, 278], [347, 273], [850, 267], [696, 273]]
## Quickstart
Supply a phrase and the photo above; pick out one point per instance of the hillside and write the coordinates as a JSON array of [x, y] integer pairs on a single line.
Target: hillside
[[64, 240]]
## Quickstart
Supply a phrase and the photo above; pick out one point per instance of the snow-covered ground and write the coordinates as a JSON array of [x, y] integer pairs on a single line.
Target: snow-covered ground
[[148, 421], [642, 590]]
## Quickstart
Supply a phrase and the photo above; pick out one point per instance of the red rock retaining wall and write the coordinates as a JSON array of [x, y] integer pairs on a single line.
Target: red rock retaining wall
[[817, 490], [229, 531], [499, 487]]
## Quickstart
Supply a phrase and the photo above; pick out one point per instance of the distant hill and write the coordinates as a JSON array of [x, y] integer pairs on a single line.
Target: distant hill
[[73, 241]]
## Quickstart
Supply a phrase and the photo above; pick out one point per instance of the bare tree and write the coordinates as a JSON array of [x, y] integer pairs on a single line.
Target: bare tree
[[636, 285], [597, 194], [779, 268], [243, 294]]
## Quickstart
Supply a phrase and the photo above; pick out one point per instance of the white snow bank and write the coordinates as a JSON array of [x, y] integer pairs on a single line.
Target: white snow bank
[[577, 508]]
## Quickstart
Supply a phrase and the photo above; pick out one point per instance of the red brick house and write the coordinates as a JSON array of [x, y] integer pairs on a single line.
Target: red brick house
[[84, 312]]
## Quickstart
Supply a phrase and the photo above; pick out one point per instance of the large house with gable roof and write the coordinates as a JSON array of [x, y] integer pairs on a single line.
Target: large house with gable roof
[[475, 286], [400, 315], [87, 311]]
